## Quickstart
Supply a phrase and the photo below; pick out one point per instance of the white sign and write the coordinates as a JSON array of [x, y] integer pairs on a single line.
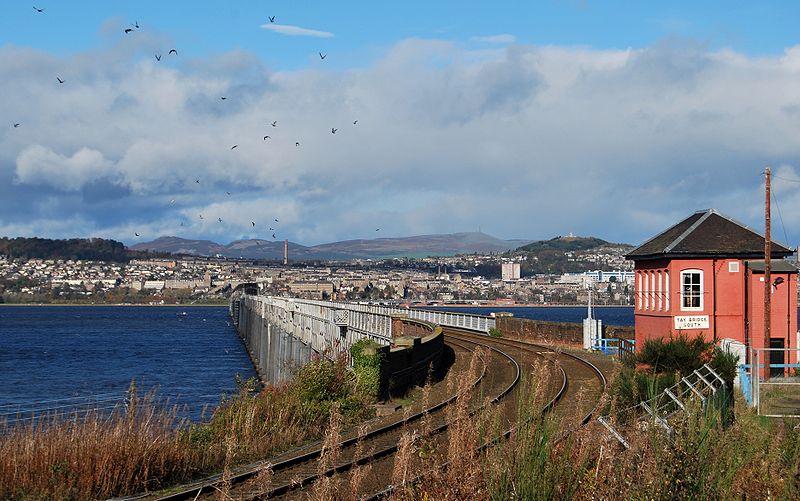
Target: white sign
[[691, 322]]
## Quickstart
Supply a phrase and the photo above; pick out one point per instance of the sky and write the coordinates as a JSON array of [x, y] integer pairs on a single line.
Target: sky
[[523, 120]]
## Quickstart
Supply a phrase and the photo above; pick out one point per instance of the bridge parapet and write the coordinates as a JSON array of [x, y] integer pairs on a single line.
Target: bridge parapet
[[281, 333], [479, 323]]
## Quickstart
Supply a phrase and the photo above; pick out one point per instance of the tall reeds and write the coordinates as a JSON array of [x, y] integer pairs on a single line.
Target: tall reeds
[[146, 447]]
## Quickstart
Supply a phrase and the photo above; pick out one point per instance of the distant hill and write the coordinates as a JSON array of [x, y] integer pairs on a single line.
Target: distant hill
[[417, 246], [571, 255], [564, 244], [86, 249]]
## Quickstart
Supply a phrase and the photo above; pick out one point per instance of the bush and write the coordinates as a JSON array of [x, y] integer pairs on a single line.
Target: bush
[[678, 354], [495, 332], [367, 359]]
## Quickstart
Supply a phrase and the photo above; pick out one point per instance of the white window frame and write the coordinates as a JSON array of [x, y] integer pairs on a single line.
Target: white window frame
[[639, 298], [660, 285], [646, 290], [666, 289], [701, 291]]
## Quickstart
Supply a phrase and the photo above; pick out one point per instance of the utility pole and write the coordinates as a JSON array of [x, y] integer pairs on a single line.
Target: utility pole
[[767, 271]]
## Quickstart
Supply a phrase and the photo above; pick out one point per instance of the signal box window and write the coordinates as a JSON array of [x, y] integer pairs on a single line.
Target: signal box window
[[692, 290]]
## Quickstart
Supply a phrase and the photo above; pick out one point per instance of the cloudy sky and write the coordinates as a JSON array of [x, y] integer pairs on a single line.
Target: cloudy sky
[[523, 121]]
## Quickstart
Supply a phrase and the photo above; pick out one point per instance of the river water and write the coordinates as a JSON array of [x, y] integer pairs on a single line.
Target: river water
[[60, 357]]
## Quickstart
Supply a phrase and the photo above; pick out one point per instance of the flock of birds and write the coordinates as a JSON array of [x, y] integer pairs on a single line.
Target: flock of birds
[[135, 26]]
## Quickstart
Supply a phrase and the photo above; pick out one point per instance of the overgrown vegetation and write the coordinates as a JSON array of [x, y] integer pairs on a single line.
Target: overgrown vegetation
[[494, 332], [752, 459], [145, 447], [367, 360]]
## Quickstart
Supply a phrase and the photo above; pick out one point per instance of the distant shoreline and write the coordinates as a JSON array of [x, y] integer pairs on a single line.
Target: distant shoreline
[[116, 305]]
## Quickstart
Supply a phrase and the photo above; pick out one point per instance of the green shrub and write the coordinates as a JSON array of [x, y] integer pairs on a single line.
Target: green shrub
[[495, 332], [367, 359], [677, 354]]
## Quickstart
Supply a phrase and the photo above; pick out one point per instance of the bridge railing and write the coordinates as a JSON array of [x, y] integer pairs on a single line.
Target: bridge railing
[[446, 319]]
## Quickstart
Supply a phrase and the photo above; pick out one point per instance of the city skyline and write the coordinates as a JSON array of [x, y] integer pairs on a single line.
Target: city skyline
[[361, 121]]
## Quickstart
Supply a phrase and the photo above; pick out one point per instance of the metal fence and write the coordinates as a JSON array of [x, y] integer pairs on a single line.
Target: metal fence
[[771, 382]]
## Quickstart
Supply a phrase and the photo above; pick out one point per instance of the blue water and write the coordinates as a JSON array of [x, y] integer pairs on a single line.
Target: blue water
[[621, 316], [58, 356]]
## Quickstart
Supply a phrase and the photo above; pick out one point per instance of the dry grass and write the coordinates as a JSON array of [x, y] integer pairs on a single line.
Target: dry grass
[[145, 448], [91, 455], [752, 459]]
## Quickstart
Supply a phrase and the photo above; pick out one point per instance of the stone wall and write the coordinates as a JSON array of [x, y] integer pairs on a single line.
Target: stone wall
[[411, 356], [563, 333]]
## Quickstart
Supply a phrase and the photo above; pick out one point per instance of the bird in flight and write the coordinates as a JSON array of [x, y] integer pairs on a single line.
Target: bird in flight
[[171, 51], [355, 122], [136, 24], [271, 228], [267, 137], [333, 131], [197, 181], [219, 219], [275, 123], [253, 223], [234, 146], [59, 80], [297, 144], [272, 19], [16, 125], [276, 219], [181, 223], [377, 229], [322, 56], [201, 216], [228, 192], [158, 57], [273, 235], [128, 30], [38, 9], [135, 233], [172, 201], [223, 98]]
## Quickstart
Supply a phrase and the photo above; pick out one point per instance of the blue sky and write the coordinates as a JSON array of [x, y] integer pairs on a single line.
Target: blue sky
[[526, 119]]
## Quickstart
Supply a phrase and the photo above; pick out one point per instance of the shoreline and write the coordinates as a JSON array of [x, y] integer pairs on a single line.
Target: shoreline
[[116, 305]]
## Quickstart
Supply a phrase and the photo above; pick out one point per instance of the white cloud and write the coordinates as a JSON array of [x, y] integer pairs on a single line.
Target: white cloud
[[523, 141], [40, 165], [503, 38], [288, 29]]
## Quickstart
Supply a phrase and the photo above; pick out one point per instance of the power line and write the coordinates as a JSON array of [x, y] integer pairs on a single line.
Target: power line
[[780, 216]]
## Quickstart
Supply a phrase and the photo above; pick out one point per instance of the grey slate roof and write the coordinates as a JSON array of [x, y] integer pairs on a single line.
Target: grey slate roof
[[707, 233]]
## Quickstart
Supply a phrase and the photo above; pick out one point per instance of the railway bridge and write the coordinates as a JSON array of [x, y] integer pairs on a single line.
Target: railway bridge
[[491, 370], [284, 332]]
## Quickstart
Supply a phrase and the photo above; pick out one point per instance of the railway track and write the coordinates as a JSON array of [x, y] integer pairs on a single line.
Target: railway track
[[498, 374]]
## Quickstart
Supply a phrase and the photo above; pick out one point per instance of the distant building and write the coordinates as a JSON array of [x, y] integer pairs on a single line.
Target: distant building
[[510, 271], [705, 275], [621, 276]]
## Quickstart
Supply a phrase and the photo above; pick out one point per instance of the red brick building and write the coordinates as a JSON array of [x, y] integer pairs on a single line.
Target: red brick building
[[706, 275]]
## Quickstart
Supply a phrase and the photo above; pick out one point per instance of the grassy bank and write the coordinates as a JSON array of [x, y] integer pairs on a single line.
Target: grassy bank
[[144, 447]]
